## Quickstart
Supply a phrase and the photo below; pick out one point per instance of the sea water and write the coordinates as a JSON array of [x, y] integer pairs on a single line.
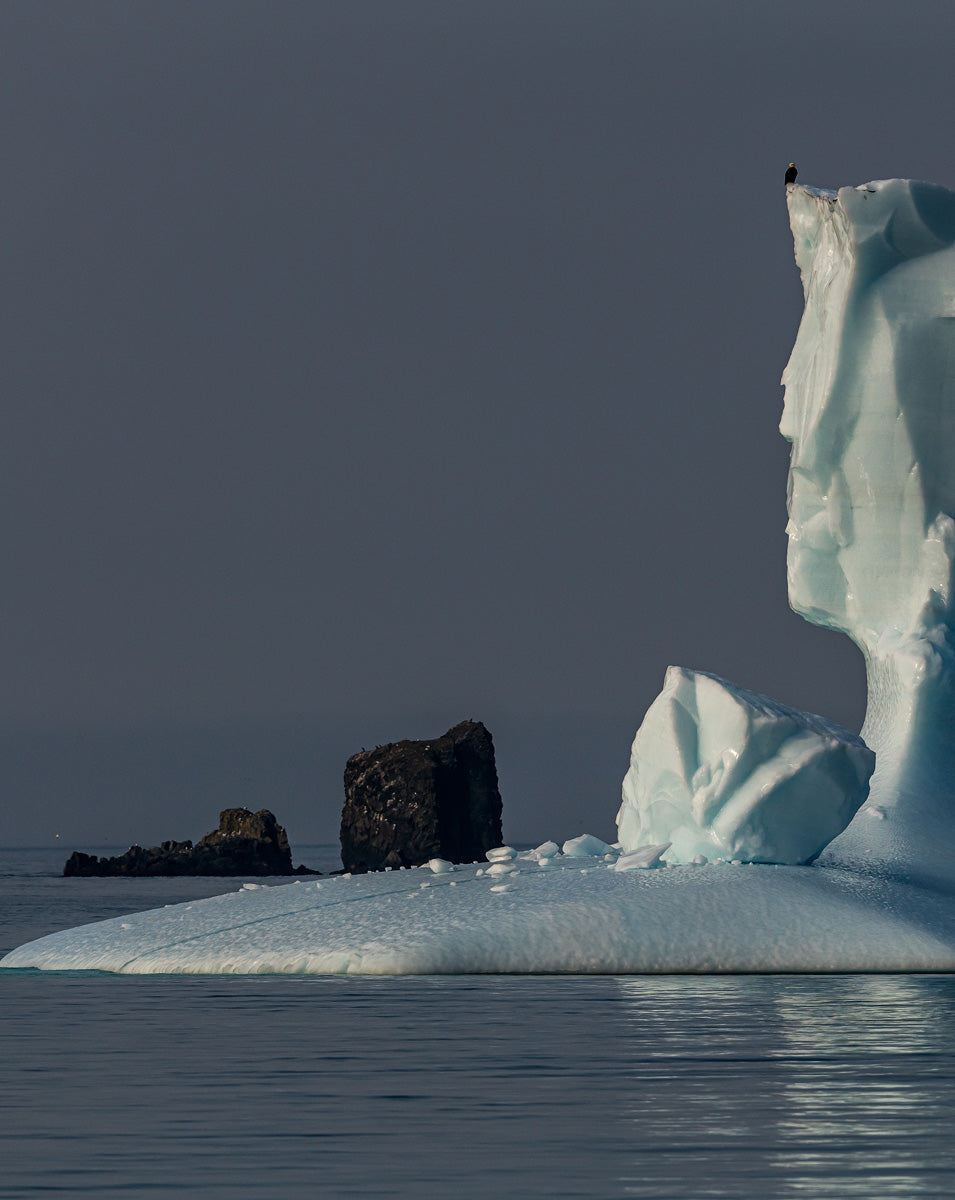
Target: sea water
[[665, 1086]]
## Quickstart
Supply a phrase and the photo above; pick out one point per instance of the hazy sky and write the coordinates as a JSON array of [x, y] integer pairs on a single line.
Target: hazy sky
[[368, 366]]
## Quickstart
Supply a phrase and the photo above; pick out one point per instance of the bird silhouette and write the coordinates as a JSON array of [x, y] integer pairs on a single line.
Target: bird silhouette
[[791, 173]]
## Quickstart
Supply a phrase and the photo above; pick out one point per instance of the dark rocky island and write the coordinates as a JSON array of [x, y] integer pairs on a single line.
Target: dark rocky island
[[411, 801], [245, 843]]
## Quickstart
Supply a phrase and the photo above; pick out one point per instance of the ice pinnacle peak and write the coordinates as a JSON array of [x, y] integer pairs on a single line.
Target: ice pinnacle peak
[[870, 413]]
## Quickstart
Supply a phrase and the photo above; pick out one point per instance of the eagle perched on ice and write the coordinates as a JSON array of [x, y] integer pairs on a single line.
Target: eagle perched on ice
[[791, 173]]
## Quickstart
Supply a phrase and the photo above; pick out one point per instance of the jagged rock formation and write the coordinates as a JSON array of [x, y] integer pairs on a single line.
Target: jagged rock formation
[[245, 843], [411, 801]]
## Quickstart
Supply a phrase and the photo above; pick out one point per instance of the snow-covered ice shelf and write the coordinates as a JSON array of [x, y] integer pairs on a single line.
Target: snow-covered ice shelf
[[574, 915], [870, 412]]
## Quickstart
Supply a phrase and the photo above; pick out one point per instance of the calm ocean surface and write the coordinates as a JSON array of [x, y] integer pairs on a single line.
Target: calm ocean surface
[[669, 1086]]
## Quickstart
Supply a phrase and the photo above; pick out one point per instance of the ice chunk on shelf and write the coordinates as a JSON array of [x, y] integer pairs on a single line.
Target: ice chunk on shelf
[[642, 859], [723, 772], [586, 846]]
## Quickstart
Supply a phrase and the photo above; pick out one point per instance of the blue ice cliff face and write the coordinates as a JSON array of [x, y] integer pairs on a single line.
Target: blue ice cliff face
[[870, 413]]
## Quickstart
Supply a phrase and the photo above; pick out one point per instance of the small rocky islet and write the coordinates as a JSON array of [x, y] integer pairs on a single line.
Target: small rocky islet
[[245, 843], [405, 803]]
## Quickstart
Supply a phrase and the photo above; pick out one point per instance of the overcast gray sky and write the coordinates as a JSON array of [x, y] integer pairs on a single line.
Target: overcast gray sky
[[372, 365]]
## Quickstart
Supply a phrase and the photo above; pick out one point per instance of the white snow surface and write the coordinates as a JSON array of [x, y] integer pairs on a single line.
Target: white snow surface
[[579, 916], [870, 412], [724, 772]]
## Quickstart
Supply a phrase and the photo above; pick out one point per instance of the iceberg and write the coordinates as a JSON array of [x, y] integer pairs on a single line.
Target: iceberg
[[723, 772], [870, 413]]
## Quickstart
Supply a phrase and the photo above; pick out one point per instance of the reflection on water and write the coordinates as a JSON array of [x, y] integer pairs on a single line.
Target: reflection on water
[[691, 1087], [810, 1086], [872, 1086], [244, 1088]]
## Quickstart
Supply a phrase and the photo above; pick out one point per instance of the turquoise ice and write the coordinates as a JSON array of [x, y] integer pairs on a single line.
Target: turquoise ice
[[723, 772]]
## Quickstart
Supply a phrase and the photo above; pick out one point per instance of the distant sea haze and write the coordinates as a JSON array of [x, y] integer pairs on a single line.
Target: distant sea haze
[[107, 789]]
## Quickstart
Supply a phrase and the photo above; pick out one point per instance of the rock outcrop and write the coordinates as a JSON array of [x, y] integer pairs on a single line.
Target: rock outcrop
[[411, 801], [245, 843]]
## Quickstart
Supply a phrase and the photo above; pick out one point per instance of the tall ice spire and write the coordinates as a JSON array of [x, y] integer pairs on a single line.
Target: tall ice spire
[[870, 413]]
